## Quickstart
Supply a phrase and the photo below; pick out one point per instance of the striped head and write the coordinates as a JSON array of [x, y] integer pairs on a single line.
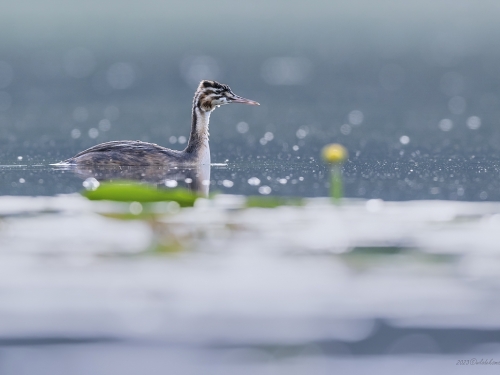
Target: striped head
[[211, 94]]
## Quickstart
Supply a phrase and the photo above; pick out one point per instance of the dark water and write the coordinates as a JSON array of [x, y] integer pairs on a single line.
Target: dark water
[[428, 178], [412, 92]]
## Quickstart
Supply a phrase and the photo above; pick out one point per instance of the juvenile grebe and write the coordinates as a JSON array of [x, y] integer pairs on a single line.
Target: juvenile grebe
[[208, 96]]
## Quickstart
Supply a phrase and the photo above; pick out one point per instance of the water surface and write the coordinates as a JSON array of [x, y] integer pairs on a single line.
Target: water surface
[[475, 179]]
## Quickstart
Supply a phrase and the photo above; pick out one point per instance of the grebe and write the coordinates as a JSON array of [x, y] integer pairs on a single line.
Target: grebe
[[208, 96]]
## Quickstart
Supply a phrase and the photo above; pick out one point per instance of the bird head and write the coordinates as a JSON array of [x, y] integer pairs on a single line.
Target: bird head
[[211, 94]]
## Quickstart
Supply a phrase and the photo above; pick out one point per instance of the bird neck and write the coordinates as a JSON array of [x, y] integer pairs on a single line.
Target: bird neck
[[198, 139]]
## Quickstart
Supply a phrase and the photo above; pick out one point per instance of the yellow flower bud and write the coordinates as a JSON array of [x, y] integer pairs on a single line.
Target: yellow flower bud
[[334, 153]]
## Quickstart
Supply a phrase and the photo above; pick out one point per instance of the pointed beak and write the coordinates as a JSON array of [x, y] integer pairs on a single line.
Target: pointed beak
[[239, 99]]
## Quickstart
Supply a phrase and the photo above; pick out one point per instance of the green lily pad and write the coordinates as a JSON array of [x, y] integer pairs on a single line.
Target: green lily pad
[[134, 192]]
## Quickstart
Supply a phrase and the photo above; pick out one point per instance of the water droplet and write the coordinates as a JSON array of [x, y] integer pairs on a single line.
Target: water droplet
[[282, 181], [269, 136], [265, 190], [19, 158], [205, 182], [404, 139], [172, 139], [171, 183], [227, 183], [345, 129], [135, 208], [483, 195], [445, 125], [302, 133], [242, 127], [91, 183], [104, 125], [355, 117], [473, 122], [93, 133], [22, 180], [254, 181], [182, 139], [188, 180], [295, 148], [75, 133]]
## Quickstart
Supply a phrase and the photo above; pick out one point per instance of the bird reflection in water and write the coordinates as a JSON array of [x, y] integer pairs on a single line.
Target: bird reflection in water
[[195, 178]]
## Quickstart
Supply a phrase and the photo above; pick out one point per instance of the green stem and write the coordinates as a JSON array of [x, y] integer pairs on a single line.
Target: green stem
[[336, 188]]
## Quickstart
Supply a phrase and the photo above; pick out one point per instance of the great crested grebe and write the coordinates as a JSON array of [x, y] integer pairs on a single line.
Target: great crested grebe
[[208, 96]]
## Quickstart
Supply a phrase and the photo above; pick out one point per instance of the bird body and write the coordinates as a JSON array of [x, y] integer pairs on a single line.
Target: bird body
[[208, 96]]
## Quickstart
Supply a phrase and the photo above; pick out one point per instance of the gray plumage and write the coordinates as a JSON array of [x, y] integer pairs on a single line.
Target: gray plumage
[[208, 96]]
